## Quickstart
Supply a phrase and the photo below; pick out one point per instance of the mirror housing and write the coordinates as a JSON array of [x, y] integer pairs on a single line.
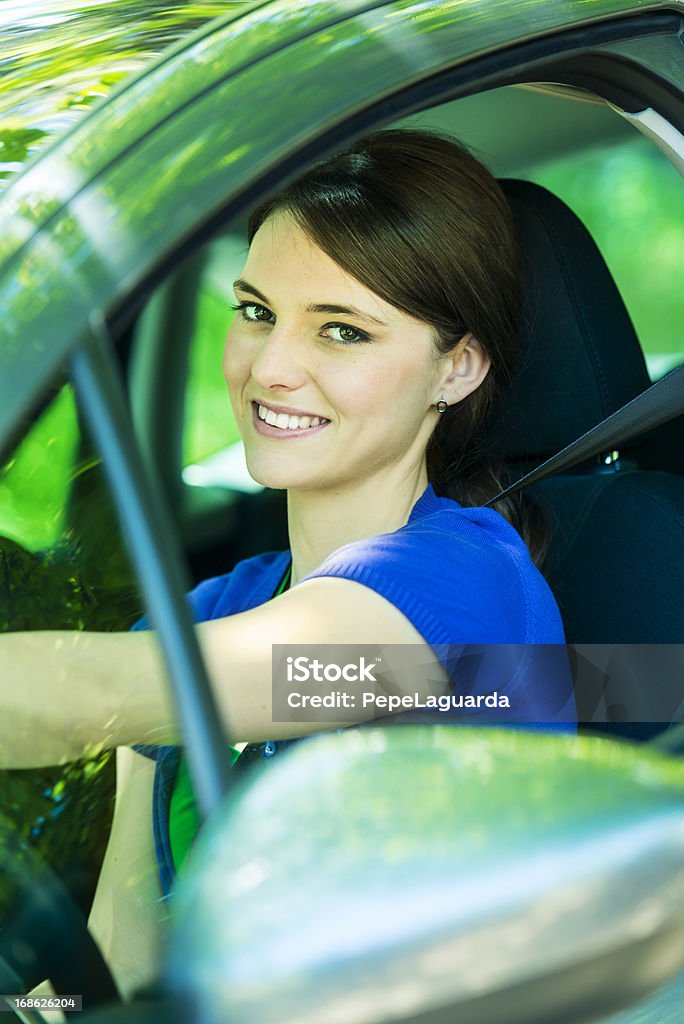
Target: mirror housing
[[427, 874]]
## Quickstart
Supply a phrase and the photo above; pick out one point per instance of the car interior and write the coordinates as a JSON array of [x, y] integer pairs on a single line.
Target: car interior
[[616, 522]]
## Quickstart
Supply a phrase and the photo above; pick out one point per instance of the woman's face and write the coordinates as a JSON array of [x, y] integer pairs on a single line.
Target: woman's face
[[312, 342]]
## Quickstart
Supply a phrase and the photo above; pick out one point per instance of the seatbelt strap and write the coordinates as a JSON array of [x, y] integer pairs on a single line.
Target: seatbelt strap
[[659, 403]]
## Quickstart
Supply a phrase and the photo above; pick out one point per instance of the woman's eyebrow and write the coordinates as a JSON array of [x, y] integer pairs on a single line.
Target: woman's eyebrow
[[245, 286], [326, 307], [314, 307]]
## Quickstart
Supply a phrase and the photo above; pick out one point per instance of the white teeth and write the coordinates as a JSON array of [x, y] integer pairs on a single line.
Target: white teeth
[[285, 422]]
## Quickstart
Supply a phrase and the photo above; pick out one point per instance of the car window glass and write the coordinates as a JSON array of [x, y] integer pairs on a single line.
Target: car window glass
[[63, 566], [209, 423], [630, 198]]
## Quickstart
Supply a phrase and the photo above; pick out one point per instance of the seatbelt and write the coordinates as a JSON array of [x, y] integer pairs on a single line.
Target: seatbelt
[[659, 403]]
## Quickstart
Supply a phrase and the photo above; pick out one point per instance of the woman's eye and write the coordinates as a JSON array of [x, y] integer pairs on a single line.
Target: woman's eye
[[253, 312], [345, 334]]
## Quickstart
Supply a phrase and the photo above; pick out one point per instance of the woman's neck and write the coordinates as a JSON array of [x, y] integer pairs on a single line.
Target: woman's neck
[[319, 522]]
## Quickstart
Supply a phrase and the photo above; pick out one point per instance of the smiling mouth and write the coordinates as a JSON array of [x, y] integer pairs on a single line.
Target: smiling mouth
[[285, 423]]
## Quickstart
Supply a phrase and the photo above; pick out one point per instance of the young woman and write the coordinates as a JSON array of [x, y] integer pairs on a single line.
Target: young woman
[[376, 329]]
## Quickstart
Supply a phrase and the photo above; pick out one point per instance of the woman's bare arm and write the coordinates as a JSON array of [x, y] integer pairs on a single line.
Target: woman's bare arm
[[64, 695], [321, 611]]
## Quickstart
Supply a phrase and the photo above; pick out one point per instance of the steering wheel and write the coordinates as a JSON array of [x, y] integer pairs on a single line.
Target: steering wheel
[[43, 934]]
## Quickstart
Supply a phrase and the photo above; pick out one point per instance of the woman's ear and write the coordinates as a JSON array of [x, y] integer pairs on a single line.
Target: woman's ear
[[467, 367]]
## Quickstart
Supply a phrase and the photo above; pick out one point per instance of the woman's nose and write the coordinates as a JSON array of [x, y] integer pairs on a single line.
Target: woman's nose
[[280, 361]]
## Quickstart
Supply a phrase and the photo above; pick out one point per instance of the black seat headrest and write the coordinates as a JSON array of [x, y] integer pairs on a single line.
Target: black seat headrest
[[581, 358]]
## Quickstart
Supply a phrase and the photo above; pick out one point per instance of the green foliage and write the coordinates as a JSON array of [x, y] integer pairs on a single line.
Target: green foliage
[[16, 145], [210, 425], [630, 200], [34, 483]]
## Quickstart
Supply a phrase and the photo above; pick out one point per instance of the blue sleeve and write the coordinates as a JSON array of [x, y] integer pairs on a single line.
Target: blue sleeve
[[249, 584], [483, 607], [202, 601], [456, 583]]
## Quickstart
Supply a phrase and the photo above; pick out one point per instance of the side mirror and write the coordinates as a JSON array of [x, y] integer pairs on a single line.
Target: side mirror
[[433, 874]]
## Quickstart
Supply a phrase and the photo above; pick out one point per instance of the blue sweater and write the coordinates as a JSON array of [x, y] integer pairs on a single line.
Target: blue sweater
[[465, 580]]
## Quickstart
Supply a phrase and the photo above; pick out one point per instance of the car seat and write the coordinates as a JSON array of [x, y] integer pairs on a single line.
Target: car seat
[[616, 556]]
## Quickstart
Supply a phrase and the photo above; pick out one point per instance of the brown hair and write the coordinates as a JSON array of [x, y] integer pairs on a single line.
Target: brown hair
[[416, 218]]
